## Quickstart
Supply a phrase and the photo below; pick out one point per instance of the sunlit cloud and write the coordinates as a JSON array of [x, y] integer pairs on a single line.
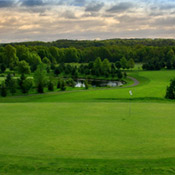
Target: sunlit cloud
[[47, 20]]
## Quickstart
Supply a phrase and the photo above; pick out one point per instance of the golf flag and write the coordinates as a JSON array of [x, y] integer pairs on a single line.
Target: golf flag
[[130, 92]]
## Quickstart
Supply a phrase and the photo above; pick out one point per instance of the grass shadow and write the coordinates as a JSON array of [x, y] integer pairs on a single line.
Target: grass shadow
[[139, 99]]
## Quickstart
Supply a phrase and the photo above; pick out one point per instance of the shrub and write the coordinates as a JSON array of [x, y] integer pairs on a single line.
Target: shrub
[[170, 92]]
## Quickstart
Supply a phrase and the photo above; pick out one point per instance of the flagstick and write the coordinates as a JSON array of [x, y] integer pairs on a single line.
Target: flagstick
[[130, 92]]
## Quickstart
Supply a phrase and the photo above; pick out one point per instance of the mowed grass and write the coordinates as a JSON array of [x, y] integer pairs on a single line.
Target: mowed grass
[[152, 87], [91, 132], [95, 133]]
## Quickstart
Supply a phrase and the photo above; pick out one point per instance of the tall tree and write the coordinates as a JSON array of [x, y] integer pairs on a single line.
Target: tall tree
[[34, 60], [71, 55], [23, 67], [97, 66], [11, 59], [3, 89], [123, 63], [170, 93], [170, 59], [131, 63], [106, 67], [40, 78]]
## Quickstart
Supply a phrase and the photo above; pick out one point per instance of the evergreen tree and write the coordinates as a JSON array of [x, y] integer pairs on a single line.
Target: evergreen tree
[[119, 74], [170, 92], [86, 84], [124, 63], [59, 83], [3, 89], [118, 65], [8, 79], [27, 85], [170, 59], [40, 88], [106, 67], [50, 85], [57, 71], [3, 68], [63, 85], [21, 81], [70, 82], [46, 61], [13, 86], [11, 59], [125, 75], [23, 67], [40, 78], [97, 66], [131, 63]]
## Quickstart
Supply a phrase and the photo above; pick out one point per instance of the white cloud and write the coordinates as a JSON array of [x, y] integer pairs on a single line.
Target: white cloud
[[87, 19]]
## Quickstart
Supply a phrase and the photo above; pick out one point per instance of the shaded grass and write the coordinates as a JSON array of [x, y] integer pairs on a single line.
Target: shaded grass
[[32, 165]]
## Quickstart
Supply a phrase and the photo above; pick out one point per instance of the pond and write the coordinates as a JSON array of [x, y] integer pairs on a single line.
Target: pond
[[98, 83]]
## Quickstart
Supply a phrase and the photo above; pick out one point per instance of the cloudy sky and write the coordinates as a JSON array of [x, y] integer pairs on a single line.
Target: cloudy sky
[[48, 20]]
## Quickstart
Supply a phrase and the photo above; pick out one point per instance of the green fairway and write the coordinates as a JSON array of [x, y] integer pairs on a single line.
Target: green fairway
[[91, 132], [88, 131]]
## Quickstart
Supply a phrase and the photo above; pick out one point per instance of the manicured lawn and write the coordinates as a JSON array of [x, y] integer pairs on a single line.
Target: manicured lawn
[[91, 132], [103, 131]]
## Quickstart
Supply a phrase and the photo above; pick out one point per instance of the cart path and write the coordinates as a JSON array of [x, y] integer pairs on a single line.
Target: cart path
[[136, 82]]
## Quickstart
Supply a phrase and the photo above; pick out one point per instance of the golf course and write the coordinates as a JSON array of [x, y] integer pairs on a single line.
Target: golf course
[[100, 131]]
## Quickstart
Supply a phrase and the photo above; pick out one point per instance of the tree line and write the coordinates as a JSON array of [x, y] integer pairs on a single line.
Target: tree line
[[62, 75], [152, 57]]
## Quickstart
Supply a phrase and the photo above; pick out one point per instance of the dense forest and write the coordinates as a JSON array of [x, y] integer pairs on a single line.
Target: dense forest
[[154, 54]]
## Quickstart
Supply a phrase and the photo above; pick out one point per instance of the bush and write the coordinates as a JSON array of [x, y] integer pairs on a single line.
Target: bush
[[170, 92]]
